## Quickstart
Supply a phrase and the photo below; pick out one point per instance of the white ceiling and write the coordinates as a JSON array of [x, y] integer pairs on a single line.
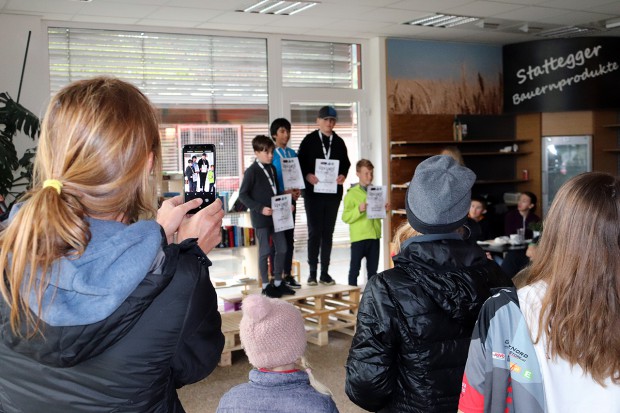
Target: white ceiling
[[338, 18]]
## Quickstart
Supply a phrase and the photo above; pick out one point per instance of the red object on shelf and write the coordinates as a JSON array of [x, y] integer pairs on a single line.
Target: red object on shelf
[[526, 174]]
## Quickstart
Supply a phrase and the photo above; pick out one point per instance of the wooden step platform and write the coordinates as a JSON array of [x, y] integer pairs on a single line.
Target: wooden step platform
[[232, 342], [324, 309]]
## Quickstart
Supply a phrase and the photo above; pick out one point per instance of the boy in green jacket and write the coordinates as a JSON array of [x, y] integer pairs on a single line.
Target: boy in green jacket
[[211, 178], [364, 233]]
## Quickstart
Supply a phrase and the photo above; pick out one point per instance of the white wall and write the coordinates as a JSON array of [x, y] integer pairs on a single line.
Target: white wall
[[35, 87], [375, 146]]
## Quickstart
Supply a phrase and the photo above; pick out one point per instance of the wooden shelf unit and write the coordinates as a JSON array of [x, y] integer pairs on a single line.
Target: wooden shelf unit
[[414, 138], [465, 154]]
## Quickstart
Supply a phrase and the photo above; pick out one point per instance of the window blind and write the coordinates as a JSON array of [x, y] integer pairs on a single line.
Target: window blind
[[169, 68], [321, 64]]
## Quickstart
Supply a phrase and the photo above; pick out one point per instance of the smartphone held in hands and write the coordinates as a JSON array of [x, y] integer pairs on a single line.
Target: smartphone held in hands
[[199, 171]]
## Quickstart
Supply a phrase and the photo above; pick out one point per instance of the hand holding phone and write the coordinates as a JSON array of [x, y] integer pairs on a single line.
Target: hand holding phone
[[199, 166]]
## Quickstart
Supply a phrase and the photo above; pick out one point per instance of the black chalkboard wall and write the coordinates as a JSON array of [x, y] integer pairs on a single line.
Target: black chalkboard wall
[[562, 75]]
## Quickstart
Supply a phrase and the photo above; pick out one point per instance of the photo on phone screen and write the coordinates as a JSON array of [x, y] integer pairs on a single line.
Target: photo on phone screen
[[199, 173]]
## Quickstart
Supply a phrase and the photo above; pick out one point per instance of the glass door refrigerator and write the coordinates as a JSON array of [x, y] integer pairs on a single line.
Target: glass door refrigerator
[[562, 158]]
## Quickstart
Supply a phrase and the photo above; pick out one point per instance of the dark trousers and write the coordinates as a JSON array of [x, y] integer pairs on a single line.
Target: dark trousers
[[290, 247], [192, 185], [369, 249], [289, 235], [265, 249], [203, 180], [321, 214]]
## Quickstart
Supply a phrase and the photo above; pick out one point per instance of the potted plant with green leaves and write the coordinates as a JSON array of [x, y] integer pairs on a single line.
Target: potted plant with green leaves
[[15, 172]]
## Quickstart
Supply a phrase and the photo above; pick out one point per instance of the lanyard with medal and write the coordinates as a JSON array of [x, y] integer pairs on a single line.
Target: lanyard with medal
[[268, 175], [283, 153], [326, 152]]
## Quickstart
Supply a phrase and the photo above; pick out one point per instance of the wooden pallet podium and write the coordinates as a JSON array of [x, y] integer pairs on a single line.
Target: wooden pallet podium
[[324, 309]]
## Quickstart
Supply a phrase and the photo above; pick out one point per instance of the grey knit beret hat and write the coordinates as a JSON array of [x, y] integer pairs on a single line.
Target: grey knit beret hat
[[439, 195]]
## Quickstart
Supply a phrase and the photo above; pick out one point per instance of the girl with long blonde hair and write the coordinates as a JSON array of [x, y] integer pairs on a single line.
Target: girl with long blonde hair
[[553, 345], [572, 298], [97, 308]]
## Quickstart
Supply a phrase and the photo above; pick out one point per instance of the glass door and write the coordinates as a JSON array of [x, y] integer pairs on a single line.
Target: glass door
[[563, 157]]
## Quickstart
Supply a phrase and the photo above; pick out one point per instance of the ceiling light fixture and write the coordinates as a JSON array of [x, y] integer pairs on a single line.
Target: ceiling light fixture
[[281, 7], [568, 31], [442, 20], [612, 23], [483, 24]]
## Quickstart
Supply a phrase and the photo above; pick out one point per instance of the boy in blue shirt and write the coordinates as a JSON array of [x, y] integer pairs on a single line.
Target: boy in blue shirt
[[280, 130]]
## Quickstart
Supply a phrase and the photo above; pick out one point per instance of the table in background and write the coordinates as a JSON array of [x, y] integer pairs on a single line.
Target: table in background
[[497, 248]]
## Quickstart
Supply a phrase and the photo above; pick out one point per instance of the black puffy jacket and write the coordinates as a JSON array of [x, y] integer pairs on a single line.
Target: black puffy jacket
[[414, 327], [166, 334]]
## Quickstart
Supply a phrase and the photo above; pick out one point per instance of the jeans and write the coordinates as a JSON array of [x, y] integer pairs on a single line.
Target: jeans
[[265, 249], [368, 248], [321, 214]]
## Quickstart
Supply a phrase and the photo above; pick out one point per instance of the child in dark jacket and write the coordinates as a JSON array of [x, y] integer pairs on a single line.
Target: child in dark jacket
[[415, 320], [274, 338], [259, 184]]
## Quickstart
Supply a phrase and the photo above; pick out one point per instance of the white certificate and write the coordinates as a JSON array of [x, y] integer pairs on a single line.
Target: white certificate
[[326, 171], [281, 212], [291, 174], [375, 201]]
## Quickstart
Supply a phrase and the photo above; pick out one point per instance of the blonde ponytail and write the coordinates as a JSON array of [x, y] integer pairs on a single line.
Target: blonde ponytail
[[98, 149], [45, 228], [318, 386]]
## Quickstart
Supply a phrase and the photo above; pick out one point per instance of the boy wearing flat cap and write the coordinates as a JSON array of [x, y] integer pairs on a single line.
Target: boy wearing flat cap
[[416, 319], [322, 208]]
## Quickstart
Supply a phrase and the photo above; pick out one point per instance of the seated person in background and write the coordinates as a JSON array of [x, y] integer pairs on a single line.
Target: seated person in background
[[515, 260], [523, 216], [480, 228], [454, 153]]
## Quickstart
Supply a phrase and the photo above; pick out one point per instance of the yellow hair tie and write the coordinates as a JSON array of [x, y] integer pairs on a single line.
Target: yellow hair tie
[[54, 183]]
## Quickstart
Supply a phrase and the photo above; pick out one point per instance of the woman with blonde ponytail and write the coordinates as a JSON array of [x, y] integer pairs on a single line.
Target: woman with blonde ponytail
[[99, 310]]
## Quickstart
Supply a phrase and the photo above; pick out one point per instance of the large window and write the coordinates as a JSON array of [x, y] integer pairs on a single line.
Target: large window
[[193, 79], [214, 89], [172, 69], [321, 64]]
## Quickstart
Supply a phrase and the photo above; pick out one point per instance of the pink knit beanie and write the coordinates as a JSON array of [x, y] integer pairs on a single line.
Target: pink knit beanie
[[272, 331]]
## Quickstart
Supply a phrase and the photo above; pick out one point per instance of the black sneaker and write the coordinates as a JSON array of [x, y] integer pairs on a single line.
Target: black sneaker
[[326, 279], [290, 281], [285, 289], [272, 291], [312, 281]]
